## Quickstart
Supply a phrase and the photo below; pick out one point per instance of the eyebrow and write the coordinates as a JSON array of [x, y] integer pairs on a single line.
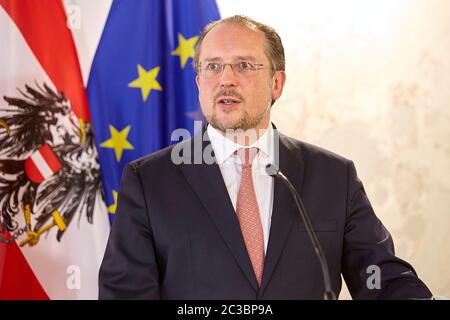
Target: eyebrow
[[249, 58]]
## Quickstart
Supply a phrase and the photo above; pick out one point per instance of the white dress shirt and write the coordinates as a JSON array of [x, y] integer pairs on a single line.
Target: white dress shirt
[[230, 167]]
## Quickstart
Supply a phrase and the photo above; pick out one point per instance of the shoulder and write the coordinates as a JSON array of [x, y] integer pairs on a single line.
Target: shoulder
[[149, 161], [320, 164], [163, 159], [309, 152]]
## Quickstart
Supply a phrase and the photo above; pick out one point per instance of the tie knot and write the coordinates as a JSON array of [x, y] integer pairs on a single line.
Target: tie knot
[[247, 155]]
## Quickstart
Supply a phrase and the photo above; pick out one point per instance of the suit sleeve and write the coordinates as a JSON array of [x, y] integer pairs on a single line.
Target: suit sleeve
[[129, 269], [368, 248]]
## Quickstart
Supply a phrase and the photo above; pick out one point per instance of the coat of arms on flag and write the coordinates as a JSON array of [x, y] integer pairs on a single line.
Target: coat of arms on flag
[[53, 218], [54, 175]]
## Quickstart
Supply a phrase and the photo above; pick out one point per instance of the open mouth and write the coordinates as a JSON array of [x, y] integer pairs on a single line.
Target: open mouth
[[228, 101]]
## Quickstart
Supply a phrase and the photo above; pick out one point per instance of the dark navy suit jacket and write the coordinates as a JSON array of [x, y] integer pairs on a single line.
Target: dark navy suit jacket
[[176, 234]]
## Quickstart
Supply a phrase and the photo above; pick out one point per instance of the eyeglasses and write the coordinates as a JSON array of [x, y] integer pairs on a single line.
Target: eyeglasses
[[242, 68]]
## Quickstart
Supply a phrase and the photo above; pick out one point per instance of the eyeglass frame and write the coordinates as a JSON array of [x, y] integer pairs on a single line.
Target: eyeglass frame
[[257, 66]]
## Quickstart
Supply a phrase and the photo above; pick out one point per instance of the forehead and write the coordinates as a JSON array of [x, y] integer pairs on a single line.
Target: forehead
[[228, 41]]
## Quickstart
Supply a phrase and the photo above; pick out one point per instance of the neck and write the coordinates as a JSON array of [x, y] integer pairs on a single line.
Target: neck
[[244, 137]]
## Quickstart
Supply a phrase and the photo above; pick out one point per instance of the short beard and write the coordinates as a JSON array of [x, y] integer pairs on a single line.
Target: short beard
[[245, 122]]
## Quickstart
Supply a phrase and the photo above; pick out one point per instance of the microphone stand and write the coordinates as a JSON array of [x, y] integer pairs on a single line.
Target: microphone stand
[[275, 172]]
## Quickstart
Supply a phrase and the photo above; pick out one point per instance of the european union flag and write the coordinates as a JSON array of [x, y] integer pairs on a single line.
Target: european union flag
[[142, 83]]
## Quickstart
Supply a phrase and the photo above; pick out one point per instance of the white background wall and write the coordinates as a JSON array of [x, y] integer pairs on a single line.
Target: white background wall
[[369, 80]]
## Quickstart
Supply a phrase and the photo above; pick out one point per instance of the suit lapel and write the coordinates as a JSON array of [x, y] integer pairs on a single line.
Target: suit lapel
[[283, 212], [207, 182]]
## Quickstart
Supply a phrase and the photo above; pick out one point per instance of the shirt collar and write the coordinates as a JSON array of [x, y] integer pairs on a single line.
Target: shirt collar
[[224, 147]]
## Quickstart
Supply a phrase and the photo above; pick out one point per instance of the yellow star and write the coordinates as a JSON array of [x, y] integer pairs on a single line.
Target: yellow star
[[146, 81], [185, 49], [118, 141], [112, 208]]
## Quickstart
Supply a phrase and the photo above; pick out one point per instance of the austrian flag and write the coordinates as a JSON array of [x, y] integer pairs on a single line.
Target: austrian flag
[[53, 220]]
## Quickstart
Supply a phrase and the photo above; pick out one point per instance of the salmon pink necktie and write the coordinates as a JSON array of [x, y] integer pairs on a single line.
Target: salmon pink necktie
[[248, 213]]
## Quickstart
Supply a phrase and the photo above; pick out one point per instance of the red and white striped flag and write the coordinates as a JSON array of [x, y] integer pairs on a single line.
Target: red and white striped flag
[[53, 221]]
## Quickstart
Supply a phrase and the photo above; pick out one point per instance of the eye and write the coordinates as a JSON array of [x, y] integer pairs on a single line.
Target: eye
[[245, 65], [213, 66]]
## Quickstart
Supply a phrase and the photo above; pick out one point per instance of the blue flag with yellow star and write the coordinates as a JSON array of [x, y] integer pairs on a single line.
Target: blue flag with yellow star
[[142, 83]]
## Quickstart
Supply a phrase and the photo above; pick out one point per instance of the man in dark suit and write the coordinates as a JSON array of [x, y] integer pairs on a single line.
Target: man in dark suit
[[223, 229]]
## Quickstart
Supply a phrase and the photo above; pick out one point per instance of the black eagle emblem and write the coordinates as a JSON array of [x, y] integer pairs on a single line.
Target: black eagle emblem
[[49, 170]]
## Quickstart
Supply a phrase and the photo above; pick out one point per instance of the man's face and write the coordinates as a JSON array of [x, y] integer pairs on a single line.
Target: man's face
[[231, 100]]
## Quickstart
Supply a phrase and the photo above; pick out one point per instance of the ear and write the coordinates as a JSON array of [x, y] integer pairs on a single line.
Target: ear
[[197, 81], [279, 78]]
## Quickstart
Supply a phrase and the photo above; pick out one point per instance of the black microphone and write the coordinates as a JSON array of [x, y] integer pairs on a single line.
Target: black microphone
[[273, 171]]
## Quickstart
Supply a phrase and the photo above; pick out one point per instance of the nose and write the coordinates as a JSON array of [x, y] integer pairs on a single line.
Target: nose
[[228, 77]]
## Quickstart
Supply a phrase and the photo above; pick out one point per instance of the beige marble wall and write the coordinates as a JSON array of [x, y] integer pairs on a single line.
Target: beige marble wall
[[371, 80]]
